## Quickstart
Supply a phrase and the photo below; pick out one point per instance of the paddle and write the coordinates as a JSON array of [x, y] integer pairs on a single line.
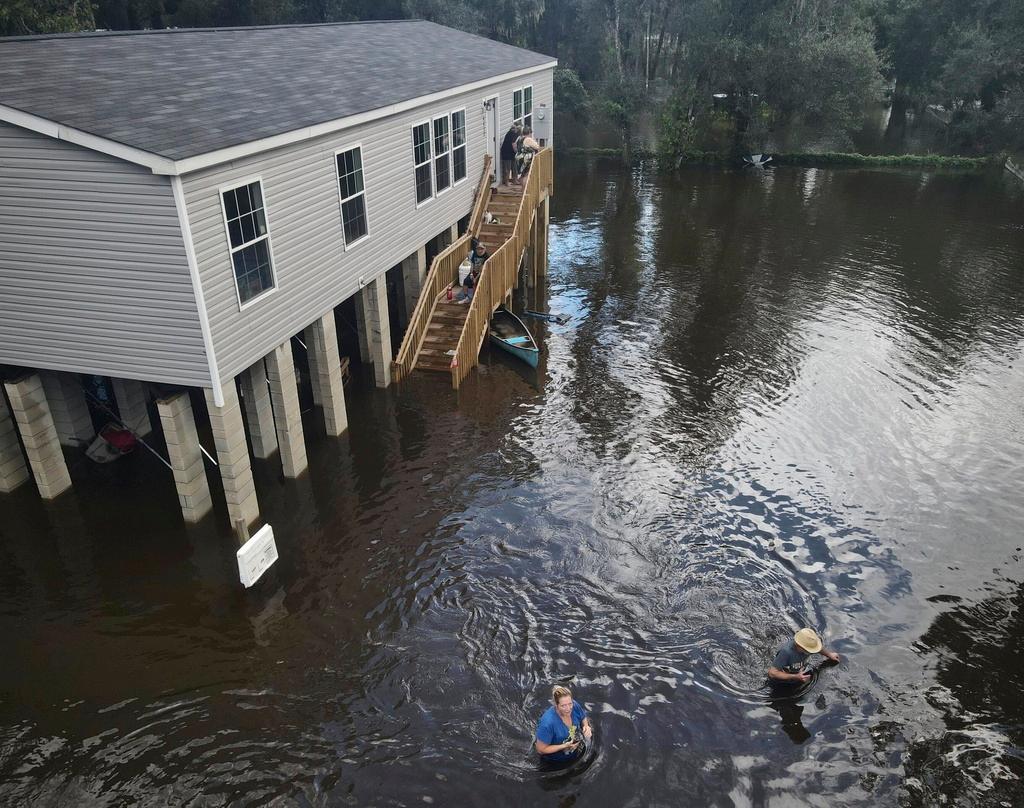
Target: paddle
[[561, 319]]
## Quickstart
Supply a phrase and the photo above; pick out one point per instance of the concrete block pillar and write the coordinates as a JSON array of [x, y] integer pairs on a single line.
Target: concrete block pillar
[[414, 272], [179, 428], [322, 339], [287, 415], [233, 456], [532, 252], [543, 222], [453, 234], [311, 360], [131, 404], [361, 329], [13, 468], [70, 413], [39, 435], [259, 412], [378, 329]]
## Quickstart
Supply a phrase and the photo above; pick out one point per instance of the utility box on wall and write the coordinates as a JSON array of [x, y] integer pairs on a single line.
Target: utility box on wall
[[542, 124]]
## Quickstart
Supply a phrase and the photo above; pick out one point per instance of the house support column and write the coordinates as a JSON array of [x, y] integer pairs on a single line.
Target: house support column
[[311, 363], [322, 340], [533, 251], [131, 404], [39, 435], [378, 329], [259, 412], [179, 428], [361, 330], [233, 455], [453, 234], [70, 413], [287, 415], [414, 272], [543, 220], [13, 469]]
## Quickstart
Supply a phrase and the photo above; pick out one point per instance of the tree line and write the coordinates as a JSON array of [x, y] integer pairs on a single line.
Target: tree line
[[744, 69]]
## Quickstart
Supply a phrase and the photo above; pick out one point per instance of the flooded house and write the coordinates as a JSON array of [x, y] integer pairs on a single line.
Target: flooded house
[[179, 209]]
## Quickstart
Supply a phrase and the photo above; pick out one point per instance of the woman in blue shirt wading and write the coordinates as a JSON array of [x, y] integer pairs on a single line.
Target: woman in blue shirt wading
[[562, 728]]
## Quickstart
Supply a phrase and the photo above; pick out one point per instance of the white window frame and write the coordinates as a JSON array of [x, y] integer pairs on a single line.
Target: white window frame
[[452, 146], [447, 118], [429, 161], [521, 120], [232, 249], [342, 201]]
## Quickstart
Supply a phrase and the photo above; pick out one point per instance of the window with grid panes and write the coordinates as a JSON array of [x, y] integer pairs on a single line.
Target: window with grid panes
[[522, 106], [459, 145], [353, 194], [250, 242], [421, 160], [442, 157]]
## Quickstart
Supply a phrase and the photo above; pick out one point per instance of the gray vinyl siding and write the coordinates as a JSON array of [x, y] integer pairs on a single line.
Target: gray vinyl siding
[[313, 270], [93, 273]]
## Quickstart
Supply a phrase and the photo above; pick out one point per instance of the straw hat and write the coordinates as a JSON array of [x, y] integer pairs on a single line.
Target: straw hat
[[808, 639]]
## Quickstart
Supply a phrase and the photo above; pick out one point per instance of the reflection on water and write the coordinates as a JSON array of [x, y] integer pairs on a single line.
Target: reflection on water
[[787, 397]]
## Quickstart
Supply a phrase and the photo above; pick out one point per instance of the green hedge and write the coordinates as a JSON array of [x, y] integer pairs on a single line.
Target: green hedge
[[844, 159], [813, 159], [638, 153]]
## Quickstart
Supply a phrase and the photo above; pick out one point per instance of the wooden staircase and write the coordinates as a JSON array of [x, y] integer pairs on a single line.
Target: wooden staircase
[[449, 318], [444, 336]]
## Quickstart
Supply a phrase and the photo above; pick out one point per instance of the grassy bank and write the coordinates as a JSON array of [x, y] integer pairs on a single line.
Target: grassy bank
[[817, 160], [895, 160]]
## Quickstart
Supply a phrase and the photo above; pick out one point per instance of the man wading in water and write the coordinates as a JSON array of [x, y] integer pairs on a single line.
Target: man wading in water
[[790, 663]]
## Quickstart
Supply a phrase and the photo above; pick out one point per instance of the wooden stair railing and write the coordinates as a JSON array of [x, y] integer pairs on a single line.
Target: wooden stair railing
[[443, 270], [499, 273]]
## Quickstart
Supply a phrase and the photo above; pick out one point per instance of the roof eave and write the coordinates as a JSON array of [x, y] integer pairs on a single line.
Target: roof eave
[[166, 166], [58, 131]]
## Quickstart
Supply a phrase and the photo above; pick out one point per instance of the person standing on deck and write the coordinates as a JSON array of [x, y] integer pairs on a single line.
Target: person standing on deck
[[526, 147], [508, 154], [790, 662]]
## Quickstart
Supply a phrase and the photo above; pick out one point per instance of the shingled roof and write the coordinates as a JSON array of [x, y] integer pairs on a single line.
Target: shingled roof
[[186, 92]]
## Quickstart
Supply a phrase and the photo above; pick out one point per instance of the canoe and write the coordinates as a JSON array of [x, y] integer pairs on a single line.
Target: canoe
[[510, 334]]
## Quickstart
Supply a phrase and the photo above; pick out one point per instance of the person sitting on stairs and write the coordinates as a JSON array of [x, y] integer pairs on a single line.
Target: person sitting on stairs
[[477, 256]]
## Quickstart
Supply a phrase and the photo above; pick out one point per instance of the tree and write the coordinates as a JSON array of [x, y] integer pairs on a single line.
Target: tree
[[787, 64], [19, 17]]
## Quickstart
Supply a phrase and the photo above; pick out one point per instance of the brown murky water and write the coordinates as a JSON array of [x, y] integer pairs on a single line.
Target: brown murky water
[[785, 397]]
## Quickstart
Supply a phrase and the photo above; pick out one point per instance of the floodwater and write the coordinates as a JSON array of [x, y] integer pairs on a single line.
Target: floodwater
[[784, 397]]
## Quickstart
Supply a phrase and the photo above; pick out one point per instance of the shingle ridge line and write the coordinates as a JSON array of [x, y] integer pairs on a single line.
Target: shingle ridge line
[[98, 34]]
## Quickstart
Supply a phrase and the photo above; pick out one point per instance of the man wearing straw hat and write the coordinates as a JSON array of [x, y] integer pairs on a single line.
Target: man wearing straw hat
[[790, 663]]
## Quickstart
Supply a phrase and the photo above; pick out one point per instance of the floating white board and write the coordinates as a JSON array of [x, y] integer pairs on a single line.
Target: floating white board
[[256, 556]]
